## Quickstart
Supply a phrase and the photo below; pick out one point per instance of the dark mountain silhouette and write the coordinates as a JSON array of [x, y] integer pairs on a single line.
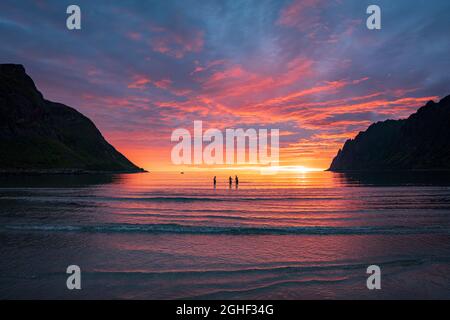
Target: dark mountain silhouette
[[421, 142], [37, 135]]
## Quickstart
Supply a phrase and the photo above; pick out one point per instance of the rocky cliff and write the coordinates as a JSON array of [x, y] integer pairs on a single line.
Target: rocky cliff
[[37, 135], [420, 142]]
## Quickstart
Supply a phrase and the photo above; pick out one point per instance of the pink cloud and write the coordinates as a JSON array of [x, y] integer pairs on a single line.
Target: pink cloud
[[139, 82], [163, 84], [297, 12], [175, 43], [238, 83], [134, 36]]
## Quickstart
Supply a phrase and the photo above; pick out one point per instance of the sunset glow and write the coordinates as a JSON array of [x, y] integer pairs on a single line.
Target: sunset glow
[[308, 68]]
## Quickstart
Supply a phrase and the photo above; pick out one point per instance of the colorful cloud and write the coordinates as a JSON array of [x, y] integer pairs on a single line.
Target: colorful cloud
[[308, 67]]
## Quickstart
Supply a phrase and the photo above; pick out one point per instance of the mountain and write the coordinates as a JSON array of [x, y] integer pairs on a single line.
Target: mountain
[[420, 142], [37, 135]]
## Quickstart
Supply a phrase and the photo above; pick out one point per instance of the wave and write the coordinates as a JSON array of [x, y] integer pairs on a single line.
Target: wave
[[94, 198], [264, 269], [232, 230], [161, 198]]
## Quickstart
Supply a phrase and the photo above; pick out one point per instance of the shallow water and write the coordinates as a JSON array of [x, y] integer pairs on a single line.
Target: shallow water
[[166, 236]]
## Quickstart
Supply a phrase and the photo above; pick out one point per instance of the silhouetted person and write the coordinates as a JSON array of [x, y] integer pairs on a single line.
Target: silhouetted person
[[215, 182], [230, 181], [236, 181]]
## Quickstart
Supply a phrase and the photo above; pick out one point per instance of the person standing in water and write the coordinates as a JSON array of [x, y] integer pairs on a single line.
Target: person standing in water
[[230, 180], [215, 182], [236, 181]]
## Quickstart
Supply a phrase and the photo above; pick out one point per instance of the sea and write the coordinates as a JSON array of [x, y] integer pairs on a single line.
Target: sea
[[162, 235]]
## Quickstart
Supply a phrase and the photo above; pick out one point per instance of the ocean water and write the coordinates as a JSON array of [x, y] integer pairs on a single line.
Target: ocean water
[[305, 235]]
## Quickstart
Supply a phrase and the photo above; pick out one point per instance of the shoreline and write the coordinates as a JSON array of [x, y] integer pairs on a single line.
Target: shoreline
[[64, 171], [390, 171]]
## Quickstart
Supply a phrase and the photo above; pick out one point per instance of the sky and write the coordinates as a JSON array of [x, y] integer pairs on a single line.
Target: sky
[[310, 68]]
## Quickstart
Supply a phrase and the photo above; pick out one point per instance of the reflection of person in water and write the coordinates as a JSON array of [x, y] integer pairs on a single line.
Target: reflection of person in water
[[215, 181], [230, 180]]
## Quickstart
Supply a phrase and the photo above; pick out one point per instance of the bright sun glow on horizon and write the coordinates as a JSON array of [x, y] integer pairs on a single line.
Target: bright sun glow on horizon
[[249, 169], [297, 169]]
